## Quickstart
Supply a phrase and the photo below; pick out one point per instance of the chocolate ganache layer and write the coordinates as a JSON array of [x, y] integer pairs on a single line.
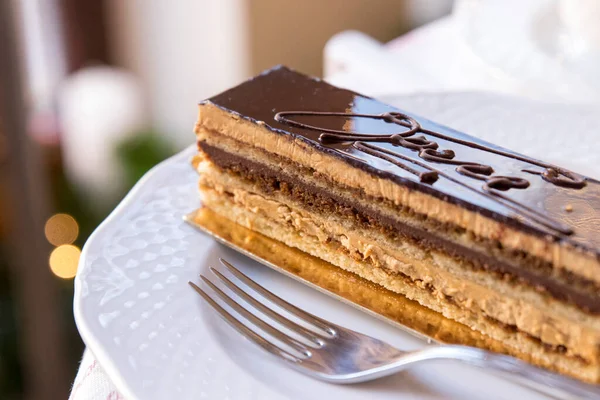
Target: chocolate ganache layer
[[527, 194], [563, 287]]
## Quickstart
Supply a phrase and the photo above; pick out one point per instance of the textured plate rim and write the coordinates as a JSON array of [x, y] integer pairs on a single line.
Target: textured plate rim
[[88, 337]]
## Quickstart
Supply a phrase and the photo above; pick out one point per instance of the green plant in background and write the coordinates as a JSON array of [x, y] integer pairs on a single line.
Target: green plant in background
[[136, 155], [141, 152]]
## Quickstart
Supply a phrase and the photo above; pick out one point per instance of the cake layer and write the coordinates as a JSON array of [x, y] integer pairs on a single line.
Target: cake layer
[[502, 243], [389, 305], [370, 213], [480, 295], [393, 306], [514, 342], [525, 205]]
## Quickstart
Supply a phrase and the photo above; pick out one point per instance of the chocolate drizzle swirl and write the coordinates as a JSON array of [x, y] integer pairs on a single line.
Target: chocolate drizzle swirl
[[560, 177], [426, 177], [428, 150]]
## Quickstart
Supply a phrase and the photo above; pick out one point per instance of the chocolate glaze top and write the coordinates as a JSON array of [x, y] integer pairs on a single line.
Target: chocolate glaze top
[[528, 194]]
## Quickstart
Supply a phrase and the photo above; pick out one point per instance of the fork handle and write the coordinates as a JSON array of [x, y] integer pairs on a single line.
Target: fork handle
[[533, 377]]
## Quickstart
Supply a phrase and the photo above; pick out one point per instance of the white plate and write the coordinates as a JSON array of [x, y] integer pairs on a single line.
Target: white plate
[[156, 339]]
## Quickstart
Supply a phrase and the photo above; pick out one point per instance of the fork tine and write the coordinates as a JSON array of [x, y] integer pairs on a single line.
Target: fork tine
[[293, 343], [243, 329], [307, 334], [316, 321]]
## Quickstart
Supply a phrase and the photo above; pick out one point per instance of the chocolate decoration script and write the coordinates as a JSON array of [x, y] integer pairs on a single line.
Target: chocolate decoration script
[[428, 151], [258, 100]]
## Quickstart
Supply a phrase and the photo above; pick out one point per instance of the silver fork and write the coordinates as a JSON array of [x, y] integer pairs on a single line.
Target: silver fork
[[332, 353]]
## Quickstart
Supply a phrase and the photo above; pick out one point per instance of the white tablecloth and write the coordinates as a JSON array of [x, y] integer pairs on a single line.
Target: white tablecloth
[[91, 383], [430, 59]]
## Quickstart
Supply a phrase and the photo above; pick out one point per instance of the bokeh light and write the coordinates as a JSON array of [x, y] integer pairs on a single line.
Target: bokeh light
[[61, 229], [64, 260]]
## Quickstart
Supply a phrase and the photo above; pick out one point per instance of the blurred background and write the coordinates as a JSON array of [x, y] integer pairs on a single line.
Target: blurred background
[[94, 93]]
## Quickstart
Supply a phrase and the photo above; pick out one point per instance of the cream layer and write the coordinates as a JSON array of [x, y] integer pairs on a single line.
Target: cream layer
[[476, 292], [516, 343], [524, 292], [562, 255]]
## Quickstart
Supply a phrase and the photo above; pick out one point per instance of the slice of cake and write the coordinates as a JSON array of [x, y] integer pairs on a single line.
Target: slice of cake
[[502, 243]]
